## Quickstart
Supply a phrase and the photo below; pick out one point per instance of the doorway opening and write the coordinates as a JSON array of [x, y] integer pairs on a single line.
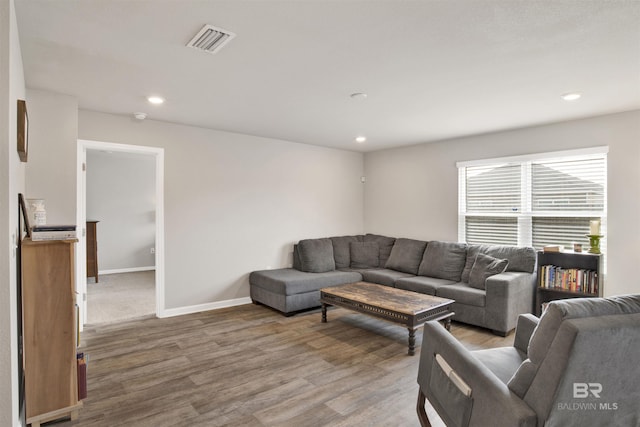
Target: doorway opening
[[129, 229]]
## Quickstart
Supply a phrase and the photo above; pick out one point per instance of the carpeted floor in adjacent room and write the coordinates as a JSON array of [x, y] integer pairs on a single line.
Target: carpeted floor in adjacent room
[[121, 296]]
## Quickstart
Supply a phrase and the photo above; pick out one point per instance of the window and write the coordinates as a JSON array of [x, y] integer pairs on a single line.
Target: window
[[534, 200]]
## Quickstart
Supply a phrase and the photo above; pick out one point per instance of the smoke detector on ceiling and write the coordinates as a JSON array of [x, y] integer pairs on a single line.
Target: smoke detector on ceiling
[[211, 39]]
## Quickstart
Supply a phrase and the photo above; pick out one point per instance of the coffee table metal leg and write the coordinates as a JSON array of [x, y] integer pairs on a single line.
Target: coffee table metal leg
[[324, 313], [412, 341]]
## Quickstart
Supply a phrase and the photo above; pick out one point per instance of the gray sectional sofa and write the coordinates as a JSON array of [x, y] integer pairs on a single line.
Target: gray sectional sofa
[[491, 284]]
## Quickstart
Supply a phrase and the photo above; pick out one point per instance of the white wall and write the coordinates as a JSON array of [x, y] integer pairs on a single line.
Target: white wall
[[413, 191], [121, 195], [237, 203], [51, 170], [11, 183]]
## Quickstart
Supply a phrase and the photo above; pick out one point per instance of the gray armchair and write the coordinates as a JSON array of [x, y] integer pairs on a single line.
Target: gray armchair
[[575, 366]]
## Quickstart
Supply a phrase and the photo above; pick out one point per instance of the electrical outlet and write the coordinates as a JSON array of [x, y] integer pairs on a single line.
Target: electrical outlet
[[153, 251]]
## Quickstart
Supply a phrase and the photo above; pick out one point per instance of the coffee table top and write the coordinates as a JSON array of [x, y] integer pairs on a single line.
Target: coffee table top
[[398, 300]]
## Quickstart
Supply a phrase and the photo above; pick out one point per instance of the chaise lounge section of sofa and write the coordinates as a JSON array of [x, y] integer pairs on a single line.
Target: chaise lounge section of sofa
[[491, 284]]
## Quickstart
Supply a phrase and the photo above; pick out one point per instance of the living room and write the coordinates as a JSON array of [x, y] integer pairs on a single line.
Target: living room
[[235, 202]]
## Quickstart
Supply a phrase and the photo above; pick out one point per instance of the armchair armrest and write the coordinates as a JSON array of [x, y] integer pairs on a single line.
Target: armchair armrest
[[492, 401], [526, 324], [508, 295]]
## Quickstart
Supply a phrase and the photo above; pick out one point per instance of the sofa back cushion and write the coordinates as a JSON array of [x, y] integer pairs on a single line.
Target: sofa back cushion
[[341, 250], [443, 260], [364, 254], [384, 243], [316, 255], [555, 313], [406, 255], [296, 258], [520, 258]]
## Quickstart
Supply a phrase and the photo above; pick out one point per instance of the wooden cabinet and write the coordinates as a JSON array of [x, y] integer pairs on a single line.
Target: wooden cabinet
[[588, 266], [49, 330], [92, 249]]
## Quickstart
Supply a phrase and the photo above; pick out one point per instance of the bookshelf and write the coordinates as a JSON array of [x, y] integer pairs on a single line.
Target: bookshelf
[[568, 275], [49, 330]]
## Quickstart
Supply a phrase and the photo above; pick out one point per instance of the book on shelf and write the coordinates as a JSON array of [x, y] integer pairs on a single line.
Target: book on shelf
[[569, 279], [82, 376], [53, 227], [53, 232]]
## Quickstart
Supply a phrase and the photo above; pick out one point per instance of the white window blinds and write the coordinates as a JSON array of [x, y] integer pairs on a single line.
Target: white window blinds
[[535, 200], [569, 186], [494, 230], [493, 188], [559, 231]]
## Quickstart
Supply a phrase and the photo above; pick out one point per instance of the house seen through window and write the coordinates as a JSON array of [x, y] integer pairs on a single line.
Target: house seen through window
[[538, 200]]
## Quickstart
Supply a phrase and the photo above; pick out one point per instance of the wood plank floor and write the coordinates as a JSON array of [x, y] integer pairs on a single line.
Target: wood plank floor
[[250, 366]]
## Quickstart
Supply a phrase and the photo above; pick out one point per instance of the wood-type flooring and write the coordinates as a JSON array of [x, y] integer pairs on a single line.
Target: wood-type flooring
[[251, 366]]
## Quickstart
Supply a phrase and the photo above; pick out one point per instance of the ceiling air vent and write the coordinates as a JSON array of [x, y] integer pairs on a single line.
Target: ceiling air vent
[[211, 39]]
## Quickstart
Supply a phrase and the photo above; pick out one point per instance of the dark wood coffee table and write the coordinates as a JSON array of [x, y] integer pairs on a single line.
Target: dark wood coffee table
[[407, 308]]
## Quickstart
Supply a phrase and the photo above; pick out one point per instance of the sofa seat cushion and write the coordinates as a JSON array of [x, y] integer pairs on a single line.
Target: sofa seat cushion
[[406, 255], [444, 260], [288, 281], [422, 284], [383, 276], [503, 361], [463, 294], [355, 270], [316, 255]]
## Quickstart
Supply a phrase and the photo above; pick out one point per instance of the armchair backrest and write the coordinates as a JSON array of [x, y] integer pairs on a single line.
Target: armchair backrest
[[599, 382], [574, 343]]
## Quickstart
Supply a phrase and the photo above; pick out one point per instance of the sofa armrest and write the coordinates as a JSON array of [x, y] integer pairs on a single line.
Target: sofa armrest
[[493, 403], [508, 295], [526, 324]]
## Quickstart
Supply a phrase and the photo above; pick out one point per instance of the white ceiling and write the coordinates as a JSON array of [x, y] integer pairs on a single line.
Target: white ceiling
[[432, 69]]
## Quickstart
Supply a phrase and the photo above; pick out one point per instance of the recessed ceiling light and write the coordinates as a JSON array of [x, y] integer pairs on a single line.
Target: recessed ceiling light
[[358, 95], [155, 100], [360, 139], [572, 96]]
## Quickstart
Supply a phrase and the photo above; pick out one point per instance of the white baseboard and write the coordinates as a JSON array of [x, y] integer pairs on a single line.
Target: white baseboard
[[126, 270], [170, 312]]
